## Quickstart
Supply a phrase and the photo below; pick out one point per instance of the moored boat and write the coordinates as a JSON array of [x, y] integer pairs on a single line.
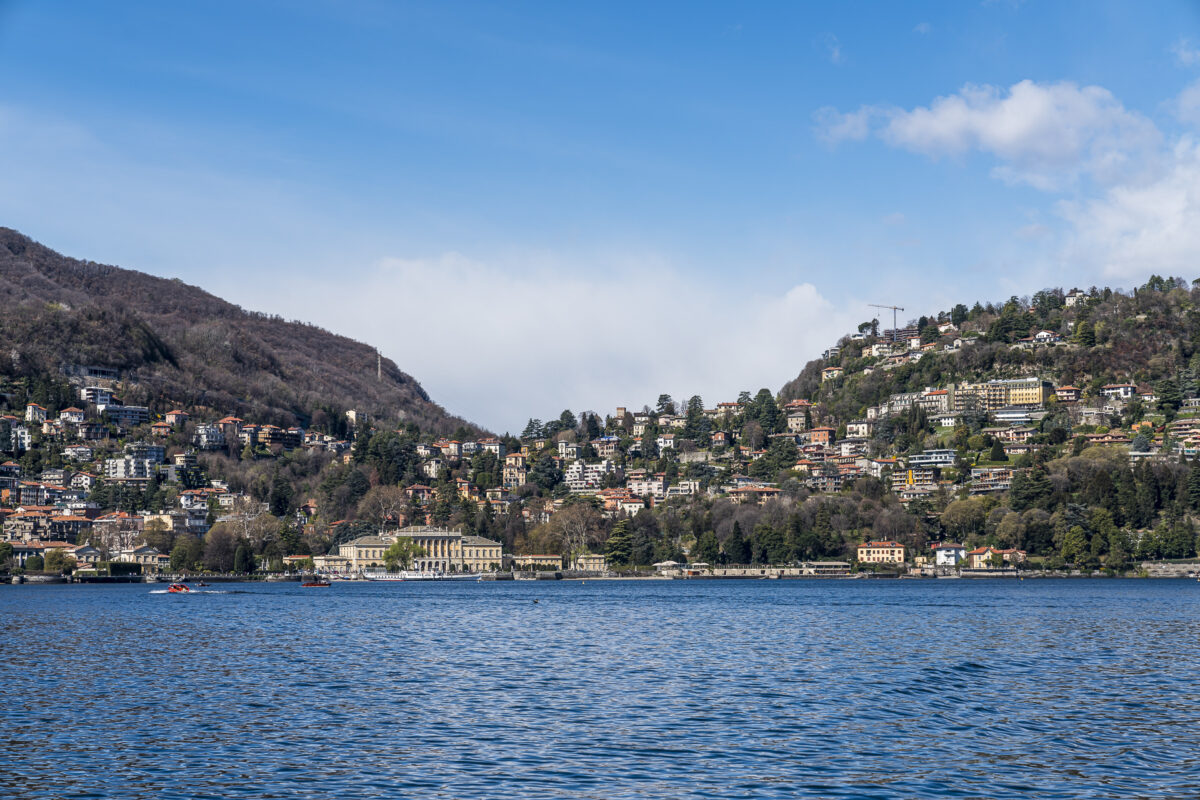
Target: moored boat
[[409, 575]]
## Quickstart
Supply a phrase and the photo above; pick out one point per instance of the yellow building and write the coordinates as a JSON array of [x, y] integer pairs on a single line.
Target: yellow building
[[987, 557], [881, 553], [591, 562], [364, 552], [1028, 392], [480, 554], [331, 563], [442, 550]]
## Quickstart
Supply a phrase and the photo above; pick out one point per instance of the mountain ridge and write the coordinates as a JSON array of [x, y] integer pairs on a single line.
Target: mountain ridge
[[175, 343]]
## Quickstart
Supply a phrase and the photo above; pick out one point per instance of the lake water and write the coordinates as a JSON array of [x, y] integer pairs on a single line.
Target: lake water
[[651, 689]]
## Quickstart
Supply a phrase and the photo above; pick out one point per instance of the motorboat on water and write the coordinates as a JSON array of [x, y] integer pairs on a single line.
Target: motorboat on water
[[178, 588], [316, 583]]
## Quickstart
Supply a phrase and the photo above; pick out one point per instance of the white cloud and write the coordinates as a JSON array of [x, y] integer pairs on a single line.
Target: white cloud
[[1034, 230], [1186, 55], [1187, 105], [923, 28], [1134, 229], [503, 340], [1134, 202], [1046, 134], [833, 48], [832, 126]]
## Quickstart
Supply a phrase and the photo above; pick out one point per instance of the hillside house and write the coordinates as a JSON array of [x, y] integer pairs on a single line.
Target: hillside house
[[859, 428], [948, 554], [1124, 391], [986, 558], [887, 552], [1068, 394]]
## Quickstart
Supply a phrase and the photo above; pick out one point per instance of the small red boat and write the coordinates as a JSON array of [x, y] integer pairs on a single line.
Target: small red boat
[[316, 583], [178, 588]]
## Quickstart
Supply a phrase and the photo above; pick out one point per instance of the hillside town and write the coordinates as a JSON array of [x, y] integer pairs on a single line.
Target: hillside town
[[95, 484]]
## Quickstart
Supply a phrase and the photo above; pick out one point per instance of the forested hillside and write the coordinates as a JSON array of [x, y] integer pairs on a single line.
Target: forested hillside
[[1150, 335], [176, 344]]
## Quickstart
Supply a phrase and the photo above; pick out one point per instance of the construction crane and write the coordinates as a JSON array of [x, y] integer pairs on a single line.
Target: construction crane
[[894, 310]]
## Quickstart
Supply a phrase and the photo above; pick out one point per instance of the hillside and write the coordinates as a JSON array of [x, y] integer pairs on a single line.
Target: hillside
[[176, 344], [1147, 336]]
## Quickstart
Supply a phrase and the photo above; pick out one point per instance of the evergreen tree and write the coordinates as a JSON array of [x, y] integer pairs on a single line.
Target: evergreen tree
[[1193, 485], [1148, 546], [1143, 506], [243, 560], [1029, 490], [1170, 398], [545, 473], [697, 426], [1179, 540], [707, 550], [997, 453], [770, 544], [803, 543], [280, 499], [362, 442], [1075, 545], [765, 410], [619, 547], [737, 551]]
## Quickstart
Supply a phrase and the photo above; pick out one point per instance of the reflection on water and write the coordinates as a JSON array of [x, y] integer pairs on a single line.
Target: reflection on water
[[603, 690]]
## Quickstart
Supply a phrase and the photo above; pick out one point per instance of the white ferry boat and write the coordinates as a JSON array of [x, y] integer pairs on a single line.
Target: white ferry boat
[[410, 575]]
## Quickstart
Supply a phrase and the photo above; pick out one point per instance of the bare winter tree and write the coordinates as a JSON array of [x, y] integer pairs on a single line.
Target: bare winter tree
[[383, 505]]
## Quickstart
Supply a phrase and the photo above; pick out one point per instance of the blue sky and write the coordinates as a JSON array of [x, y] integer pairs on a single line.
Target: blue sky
[[539, 206]]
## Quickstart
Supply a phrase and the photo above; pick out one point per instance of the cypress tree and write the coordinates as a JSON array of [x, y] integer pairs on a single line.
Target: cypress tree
[[243, 561], [1193, 485], [737, 551]]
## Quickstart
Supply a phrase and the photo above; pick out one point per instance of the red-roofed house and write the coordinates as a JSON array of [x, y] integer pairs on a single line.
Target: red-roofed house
[[982, 557]]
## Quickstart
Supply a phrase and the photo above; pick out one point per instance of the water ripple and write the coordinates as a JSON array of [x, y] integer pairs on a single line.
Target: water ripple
[[757, 689]]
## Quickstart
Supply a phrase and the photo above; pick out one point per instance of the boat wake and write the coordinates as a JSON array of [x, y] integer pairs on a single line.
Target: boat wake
[[194, 591]]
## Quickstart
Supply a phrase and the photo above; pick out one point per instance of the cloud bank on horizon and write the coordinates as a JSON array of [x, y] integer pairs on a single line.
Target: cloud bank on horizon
[[512, 341]]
